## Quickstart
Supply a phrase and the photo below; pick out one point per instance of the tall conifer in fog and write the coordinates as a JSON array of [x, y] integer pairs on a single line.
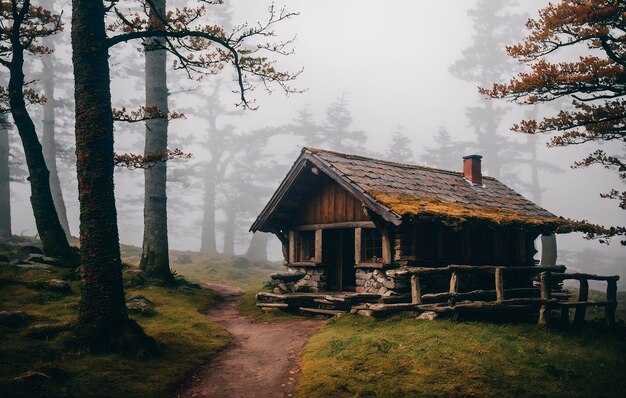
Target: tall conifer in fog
[[26, 25], [48, 80], [5, 177], [483, 62], [103, 319], [155, 254]]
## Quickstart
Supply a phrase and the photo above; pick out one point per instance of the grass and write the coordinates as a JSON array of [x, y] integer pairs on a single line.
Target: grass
[[185, 336], [232, 270], [355, 356]]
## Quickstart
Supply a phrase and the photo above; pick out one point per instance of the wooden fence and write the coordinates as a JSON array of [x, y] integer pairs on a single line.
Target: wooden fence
[[545, 296], [547, 300]]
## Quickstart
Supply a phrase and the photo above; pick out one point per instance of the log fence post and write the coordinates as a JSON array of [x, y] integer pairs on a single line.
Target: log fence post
[[454, 287], [545, 288], [583, 295], [416, 290], [499, 284]]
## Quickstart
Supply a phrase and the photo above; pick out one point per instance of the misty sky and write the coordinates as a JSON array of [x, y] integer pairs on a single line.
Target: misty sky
[[392, 60]]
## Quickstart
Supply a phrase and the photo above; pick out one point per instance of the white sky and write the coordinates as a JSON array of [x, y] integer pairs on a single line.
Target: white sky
[[392, 59]]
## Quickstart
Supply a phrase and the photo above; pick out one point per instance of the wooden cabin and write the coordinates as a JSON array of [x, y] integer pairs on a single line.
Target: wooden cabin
[[348, 223]]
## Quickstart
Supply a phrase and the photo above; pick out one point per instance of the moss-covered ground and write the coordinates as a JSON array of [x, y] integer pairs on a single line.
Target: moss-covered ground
[[186, 337], [355, 356]]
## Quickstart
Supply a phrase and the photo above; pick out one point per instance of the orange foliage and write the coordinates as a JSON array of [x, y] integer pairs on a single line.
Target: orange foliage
[[595, 83]]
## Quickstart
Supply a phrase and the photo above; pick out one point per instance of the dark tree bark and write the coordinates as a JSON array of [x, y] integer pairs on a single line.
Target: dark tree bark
[[48, 139], [155, 255], [51, 233], [102, 317], [5, 190], [258, 246]]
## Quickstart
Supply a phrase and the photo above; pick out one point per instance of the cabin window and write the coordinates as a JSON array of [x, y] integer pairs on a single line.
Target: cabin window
[[372, 246], [306, 246]]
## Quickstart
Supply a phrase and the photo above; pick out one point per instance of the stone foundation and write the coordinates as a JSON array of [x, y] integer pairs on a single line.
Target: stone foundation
[[313, 280], [377, 281]]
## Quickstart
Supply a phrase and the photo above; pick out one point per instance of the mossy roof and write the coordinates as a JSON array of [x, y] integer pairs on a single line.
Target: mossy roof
[[411, 190]]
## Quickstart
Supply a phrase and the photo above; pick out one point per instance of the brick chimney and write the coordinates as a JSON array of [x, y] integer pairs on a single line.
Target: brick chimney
[[471, 169]]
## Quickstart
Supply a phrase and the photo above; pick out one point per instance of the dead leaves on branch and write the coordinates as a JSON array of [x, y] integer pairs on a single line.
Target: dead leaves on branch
[[32, 23], [31, 97], [134, 161], [596, 84], [144, 113]]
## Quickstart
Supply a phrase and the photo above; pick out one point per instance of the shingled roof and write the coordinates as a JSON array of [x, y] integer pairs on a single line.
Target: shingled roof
[[395, 190]]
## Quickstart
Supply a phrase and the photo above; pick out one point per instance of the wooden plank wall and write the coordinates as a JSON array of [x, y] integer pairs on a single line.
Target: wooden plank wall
[[330, 203], [478, 246]]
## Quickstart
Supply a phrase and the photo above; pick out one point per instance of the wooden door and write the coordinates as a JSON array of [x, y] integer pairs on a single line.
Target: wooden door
[[338, 255]]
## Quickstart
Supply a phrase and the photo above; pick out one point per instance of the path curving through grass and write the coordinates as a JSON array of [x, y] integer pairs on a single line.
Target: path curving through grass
[[261, 360]]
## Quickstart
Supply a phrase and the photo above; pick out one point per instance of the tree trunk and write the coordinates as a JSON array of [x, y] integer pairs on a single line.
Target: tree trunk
[[258, 246], [51, 233], [155, 255], [5, 189], [102, 313], [208, 241], [229, 230], [48, 141]]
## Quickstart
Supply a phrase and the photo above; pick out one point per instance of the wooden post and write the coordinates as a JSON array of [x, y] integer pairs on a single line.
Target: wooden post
[[499, 284], [544, 311], [358, 233], [611, 296], [318, 246], [386, 241], [583, 295], [454, 288], [292, 246], [454, 283], [564, 316], [416, 290]]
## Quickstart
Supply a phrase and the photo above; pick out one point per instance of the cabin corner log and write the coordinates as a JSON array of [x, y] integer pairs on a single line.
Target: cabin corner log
[[318, 246], [292, 246]]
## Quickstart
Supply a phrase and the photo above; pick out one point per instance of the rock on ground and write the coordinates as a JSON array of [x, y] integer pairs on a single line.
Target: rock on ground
[[139, 304], [428, 315]]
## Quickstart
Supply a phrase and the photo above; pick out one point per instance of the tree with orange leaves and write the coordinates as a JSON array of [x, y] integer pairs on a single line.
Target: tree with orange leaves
[[595, 82]]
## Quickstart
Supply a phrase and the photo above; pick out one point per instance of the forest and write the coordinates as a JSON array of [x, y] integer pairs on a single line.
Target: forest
[[141, 139]]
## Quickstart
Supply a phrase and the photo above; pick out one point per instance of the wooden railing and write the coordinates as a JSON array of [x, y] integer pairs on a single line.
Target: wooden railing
[[610, 304], [547, 300]]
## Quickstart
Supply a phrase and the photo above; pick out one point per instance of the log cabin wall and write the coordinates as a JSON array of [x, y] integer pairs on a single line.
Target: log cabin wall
[[328, 204], [431, 244]]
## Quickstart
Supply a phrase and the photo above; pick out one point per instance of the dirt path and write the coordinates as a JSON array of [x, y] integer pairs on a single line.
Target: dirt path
[[261, 362]]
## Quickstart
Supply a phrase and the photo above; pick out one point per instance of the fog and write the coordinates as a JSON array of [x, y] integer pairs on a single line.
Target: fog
[[391, 63]]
